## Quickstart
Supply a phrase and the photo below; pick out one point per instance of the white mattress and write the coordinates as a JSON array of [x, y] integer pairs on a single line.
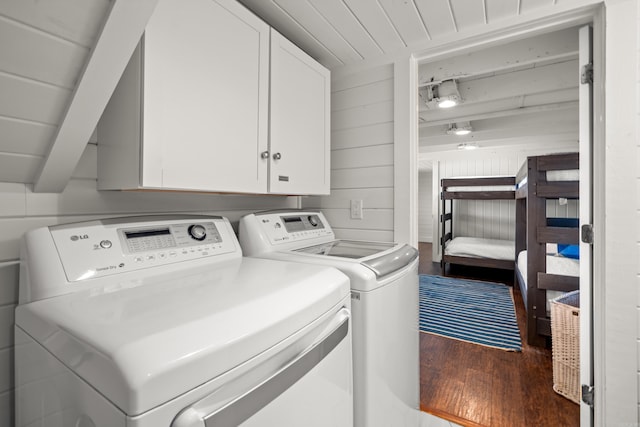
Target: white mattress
[[475, 247], [471, 188], [563, 175], [556, 264]]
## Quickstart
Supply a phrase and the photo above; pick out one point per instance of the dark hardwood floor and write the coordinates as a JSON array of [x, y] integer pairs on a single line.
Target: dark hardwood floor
[[473, 385]]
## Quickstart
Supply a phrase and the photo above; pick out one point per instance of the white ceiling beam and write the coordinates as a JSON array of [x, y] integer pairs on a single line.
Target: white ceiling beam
[[570, 105], [542, 130], [118, 38], [545, 80], [550, 78], [541, 119], [568, 139], [558, 45], [520, 101]]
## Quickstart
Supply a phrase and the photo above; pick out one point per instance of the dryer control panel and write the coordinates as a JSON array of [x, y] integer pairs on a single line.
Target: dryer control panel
[[100, 248]]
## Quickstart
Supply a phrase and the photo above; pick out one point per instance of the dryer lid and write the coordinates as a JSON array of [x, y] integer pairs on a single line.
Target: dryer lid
[[144, 342]]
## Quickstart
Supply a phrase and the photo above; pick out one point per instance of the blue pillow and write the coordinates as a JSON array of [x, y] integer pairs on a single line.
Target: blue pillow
[[569, 251]]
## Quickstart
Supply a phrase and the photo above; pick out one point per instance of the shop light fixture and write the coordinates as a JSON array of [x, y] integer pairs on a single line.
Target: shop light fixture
[[459, 128], [446, 94], [467, 146]]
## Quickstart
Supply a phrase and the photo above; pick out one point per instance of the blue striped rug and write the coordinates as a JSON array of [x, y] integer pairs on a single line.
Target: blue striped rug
[[469, 310]]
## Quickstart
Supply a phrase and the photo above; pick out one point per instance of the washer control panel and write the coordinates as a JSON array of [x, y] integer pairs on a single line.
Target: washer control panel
[[101, 248], [292, 227]]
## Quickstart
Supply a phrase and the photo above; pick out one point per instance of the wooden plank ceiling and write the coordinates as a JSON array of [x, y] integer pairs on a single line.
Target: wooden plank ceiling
[[46, 45], [341, 32]]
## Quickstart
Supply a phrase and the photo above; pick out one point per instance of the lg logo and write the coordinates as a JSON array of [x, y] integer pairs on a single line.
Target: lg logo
[[75, 238]]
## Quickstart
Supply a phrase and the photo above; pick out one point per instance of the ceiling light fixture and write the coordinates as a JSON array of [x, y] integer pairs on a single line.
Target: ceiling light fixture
[[467, 146], [442, 94], [446, 94], [459, 128]]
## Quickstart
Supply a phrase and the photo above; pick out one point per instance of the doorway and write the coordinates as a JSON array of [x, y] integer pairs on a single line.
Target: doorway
[[504, 144]]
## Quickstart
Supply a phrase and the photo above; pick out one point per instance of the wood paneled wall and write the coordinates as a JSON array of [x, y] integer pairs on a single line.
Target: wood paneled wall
[[22, 210], [617, 290], [361, 156], [425, 206]]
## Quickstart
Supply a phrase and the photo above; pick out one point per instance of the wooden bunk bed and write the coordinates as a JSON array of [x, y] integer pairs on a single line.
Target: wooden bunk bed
[[540, 270], [491, 253]]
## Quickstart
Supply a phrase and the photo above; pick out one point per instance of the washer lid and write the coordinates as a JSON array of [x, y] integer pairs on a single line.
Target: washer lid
[[381, 257], [347, 248], [144, 342]]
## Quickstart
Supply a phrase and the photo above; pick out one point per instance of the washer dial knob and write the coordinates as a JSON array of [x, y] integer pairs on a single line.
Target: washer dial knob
[[197, 232]]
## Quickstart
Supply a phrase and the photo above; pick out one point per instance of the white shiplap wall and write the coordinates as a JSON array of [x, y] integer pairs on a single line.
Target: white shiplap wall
[[22, 210], [618, 292], [425, 205], [637, 168], [361, 156]]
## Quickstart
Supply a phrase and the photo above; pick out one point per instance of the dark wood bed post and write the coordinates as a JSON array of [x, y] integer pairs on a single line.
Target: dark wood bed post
[[521, 233], [534, 231], [444, 229], [536, 256]]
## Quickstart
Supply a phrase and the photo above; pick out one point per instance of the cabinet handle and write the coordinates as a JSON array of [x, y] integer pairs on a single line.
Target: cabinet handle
[[264, 155], [277, 156]]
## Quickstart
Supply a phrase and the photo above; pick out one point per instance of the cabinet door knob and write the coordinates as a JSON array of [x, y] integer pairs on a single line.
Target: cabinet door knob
[[277, 156], [264, 155]]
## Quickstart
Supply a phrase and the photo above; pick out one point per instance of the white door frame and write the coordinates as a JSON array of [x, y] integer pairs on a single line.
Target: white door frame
[[406, 147]]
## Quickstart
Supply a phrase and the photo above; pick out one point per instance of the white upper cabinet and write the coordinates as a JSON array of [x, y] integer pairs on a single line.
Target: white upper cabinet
[[196, 108], [299, 133], [191, 110]]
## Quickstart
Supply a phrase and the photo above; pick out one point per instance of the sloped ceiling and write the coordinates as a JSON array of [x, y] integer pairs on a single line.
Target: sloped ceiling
[[46, 45], [43, 48], [61, 61]]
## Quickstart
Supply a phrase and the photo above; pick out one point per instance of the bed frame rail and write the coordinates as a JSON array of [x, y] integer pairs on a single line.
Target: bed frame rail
[[478, 194]]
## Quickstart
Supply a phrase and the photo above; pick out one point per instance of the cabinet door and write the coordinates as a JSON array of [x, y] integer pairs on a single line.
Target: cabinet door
[[206, 79], [300, 124]]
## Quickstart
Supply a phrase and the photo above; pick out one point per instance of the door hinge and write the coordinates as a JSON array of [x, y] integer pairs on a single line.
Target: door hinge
[[587, 233], [586, 74], [587, 394]]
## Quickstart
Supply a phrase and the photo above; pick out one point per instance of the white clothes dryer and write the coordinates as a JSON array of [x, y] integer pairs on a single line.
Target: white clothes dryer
[[384, 303], [160, 321]]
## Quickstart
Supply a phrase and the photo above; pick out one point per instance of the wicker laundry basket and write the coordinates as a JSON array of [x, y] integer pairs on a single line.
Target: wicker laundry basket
[[565, 338]]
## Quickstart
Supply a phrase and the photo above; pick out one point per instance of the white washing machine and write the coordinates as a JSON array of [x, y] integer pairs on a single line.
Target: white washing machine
[[384, 303], [160, 321]]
